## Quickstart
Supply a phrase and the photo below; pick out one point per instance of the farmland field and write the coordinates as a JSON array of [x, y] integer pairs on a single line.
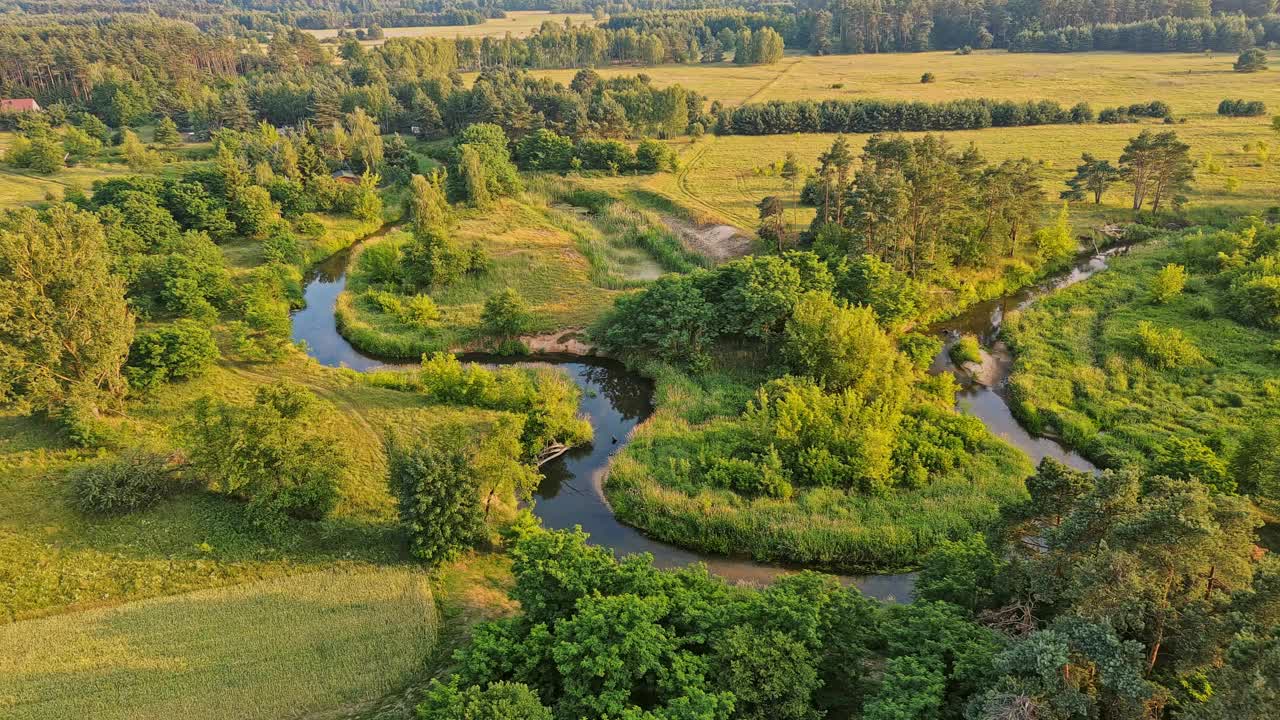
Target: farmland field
[[517, 22], [719, 175], [278, 648]]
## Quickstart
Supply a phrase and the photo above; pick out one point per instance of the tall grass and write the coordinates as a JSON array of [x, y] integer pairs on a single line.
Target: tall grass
[[651, 486], [1080, 372], [280, 648]]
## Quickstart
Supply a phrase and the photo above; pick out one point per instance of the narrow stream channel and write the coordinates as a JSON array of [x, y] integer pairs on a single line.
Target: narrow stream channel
[[615, 400]]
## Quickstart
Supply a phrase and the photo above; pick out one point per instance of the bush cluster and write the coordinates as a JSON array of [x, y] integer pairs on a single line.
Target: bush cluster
[[133, 481], [1242, 108]]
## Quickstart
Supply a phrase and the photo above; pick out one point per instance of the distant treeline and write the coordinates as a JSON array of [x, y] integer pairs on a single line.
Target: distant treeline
[[266, 14], [1224, 33], [873, 116], [875, 26]]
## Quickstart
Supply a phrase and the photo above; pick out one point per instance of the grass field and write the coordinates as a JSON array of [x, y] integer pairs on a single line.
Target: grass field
[[280, 648], [718, 174], [517, 22], [560, 260], [1192, 83], [1078, 375], [22, 187]]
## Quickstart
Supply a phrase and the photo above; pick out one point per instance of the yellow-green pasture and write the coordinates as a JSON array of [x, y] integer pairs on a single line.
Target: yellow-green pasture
[[517, 22], [280, 648], [727, 176], [1192, 83]]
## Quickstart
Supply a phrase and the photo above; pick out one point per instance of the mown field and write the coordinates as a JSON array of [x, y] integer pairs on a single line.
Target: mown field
[[1192, 83], [517, 22], [280, 648], [726, 176]]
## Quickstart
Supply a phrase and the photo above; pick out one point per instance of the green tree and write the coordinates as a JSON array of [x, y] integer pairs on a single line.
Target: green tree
[[1093, 176], [961, 572], [438, 493], [506, 315], [366, 141], [65, 327], [1251, 60], [772, 676], [1157, 165], [252, 210], [136, 155], [843, 348], [167, 132], [179, 351], [279, 453], [80, 146]]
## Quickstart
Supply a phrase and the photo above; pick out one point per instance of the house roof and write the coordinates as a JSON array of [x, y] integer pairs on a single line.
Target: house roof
[[18, 105]]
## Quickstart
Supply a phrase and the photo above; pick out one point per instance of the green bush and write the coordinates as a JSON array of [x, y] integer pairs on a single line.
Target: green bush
[[133, 481], [966, 350], [920, 348], [1168, 283], [179, 351], [1167, 348]]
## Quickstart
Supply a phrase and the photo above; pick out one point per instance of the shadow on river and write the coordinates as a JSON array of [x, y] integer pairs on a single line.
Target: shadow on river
[[615, 400]]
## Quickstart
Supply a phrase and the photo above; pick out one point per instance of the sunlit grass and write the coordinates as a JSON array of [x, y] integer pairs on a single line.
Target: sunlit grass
[[274, 649]]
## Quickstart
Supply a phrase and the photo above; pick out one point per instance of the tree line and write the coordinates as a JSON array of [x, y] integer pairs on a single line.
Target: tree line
[[871, 116], [1224, 33]]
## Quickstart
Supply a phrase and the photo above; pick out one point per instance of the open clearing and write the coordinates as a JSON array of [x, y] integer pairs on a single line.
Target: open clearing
[[273, 649]]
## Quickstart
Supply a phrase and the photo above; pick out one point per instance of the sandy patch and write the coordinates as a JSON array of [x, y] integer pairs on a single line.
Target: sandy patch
[[717, 242]]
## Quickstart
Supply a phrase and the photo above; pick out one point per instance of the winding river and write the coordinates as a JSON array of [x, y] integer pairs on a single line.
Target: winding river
[[615, 400]]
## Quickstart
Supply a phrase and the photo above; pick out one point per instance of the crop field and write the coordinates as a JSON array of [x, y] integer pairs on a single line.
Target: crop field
[[517, 22], [1192, 83], [279, 648]]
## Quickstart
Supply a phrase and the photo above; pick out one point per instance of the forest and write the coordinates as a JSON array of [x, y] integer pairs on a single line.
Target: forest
[[657, 360]]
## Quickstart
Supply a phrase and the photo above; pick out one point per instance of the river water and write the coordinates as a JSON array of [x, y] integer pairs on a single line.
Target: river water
[[615, 400]]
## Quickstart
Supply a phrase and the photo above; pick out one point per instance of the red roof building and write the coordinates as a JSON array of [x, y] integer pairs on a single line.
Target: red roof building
[[19, 105]]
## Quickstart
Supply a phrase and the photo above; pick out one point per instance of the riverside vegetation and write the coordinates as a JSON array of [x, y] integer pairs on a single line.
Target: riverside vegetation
[[207, 522]]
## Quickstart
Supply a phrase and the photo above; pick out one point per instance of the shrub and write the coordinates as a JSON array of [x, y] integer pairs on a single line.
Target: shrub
[[277, 453], [927, 78], [131, 482], [754, 479], [179, 351], [966, 350], [1190, 459], [964, 50], [1242, 108], [920, 348], [438, 494], [1168, 283], [506, 315], [421, 312], [1167, 348]]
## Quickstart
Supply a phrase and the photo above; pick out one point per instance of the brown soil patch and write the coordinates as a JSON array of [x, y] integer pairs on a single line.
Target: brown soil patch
[[717, 242]]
